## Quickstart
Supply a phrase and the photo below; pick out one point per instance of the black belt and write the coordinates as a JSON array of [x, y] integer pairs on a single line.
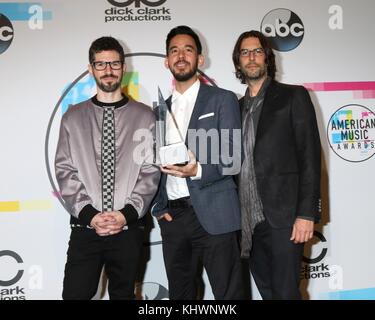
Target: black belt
[[179, 203]]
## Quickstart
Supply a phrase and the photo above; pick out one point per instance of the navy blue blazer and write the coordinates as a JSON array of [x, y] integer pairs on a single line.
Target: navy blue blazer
[[214, 197]]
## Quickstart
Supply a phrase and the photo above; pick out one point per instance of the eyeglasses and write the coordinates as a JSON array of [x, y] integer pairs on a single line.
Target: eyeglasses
[[102, 65], [246, 52]]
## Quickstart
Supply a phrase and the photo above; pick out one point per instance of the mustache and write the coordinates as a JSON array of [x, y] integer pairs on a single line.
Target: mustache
[[107, 76], [179, 61], [251, 64]]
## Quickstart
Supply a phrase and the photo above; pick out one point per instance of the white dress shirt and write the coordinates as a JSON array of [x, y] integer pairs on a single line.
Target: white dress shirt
[[182, 108]]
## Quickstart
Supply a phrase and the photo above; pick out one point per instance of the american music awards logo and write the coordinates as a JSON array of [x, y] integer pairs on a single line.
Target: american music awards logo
[[351, 133]]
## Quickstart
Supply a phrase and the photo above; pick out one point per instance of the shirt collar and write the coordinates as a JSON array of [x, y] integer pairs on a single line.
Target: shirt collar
[[116, 104], [190, 94]]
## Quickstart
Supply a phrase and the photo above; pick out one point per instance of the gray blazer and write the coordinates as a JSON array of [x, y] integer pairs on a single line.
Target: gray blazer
[[214, 197]]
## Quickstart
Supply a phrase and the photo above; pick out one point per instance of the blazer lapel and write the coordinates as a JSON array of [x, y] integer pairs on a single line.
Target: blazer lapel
[[270, 100], [198, 107], [199, 104]]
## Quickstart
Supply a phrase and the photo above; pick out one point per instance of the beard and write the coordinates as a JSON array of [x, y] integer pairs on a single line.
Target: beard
[[255, 74], [110, 86], [182, 76]]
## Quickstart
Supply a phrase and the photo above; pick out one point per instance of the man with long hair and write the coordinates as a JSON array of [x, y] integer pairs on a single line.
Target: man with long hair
[[279, 183]]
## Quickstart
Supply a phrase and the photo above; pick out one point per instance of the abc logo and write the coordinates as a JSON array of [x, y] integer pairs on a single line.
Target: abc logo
[[283, 28], [6, 33]]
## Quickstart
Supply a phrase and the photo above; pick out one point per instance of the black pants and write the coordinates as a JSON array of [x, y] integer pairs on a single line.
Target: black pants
[[275, 263], [185, 243], [88, 253]]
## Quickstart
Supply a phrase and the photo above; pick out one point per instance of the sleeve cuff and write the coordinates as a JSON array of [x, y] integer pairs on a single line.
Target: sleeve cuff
[[306, 218], [198, 176], [87, 213], [130, 214]]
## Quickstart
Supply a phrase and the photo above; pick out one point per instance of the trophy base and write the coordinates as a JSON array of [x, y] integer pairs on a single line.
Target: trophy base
[[174, 154]]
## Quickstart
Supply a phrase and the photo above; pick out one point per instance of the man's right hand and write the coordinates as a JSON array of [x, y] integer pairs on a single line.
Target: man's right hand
[[165, 216]]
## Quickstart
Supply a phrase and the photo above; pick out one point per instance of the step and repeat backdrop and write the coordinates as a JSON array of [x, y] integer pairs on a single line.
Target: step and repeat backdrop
[[327, 46]]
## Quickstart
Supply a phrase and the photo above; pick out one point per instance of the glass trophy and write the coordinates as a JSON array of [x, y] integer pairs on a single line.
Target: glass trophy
[[174, 153]]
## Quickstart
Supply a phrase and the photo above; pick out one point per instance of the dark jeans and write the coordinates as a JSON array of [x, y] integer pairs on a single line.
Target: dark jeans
[[275, 263], [88, 253], [185, 243]]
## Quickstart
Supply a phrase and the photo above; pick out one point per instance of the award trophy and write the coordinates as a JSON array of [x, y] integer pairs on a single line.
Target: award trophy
[[169, 154]]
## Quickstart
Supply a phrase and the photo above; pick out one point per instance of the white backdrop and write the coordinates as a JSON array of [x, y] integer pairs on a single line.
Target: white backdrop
[[44, 48]]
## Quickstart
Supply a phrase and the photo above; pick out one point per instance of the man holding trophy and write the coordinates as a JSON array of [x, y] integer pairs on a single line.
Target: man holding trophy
[[197, 206]]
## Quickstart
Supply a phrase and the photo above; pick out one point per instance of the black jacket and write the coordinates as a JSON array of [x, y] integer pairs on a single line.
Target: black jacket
[[287, 155]]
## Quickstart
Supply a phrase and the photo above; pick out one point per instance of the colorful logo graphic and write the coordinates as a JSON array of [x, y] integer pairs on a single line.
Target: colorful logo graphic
[[360, 89], [85, 88], [283, 28], [351, 133], [356, 294], [27, 205], [24, 11]]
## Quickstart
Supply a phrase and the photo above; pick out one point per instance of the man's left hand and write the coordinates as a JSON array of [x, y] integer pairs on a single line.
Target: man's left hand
[[188, 170], [303, 230]]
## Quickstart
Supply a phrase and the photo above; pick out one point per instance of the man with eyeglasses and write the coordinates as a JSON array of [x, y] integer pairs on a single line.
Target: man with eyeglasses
[[106, 178], [279, 183]]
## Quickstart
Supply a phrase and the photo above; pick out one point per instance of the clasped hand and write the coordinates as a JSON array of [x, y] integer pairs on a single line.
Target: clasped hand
[[108, 223]]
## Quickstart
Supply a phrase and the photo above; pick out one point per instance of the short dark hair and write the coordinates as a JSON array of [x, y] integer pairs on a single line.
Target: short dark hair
[[183, 30], [270, 56], [106, 44]]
